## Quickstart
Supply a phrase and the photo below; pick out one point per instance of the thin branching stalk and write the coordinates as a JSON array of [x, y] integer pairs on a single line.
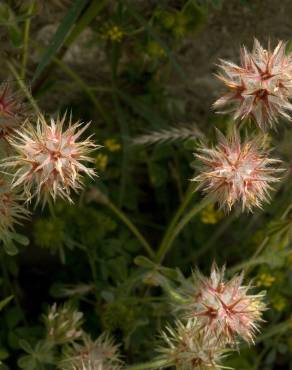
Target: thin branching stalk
[[101, 198], [177, 225], [180, 226], [83, 85], [131, 227], [24, 88], [255, 258], [187, 198]]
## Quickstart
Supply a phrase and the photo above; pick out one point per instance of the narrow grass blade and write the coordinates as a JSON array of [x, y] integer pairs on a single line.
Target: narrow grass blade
[[60, 36], [89, 15]]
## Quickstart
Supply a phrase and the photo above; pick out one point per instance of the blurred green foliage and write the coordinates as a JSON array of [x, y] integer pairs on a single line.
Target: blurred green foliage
[[85, 253]]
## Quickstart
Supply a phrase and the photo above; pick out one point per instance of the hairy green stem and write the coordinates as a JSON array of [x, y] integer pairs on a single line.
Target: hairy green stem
[[24, 88], [187, 198], [218, 232], [177, 226], [131, 227]]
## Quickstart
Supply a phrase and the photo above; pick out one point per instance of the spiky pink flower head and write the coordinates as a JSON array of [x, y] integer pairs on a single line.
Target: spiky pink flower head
[[235, 172], [188, 347], [224, 308], [12, 212], [12, 110], [101, 354], [50, 158], [259, 88]]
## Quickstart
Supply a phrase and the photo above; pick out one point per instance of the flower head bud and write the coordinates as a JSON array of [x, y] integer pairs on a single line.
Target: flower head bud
[[188, 347], [235, 172], [12, 212], [101, 354], [50, 158], [224, 308], [259, 88], [12, 109], [63, 324]]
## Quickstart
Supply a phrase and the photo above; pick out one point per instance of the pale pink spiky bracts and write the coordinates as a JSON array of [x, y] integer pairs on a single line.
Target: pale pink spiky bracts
[[237, 173], [224, 308], [101, 354], [12, 212], [63, 324], [50, 159], [260, 87], [188, 347], [12, 110]]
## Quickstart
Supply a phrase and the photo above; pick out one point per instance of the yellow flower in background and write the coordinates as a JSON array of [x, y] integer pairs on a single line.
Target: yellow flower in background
[[101, 161], [114, 33], [112, 145], [210, 215], [155, 50], [265, 280], [279, 303]]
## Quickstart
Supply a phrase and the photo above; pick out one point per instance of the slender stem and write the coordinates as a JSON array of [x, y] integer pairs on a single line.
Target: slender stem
[[259, 249], [24, 88], [51, 208], [218, 232], [70, 72], [178, 227], [253, 261], [186, 200], [131, 227], [91, 261], [26, 39]]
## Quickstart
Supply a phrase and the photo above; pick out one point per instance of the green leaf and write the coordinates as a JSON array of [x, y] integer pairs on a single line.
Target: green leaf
[[10, 247], [144, 262], [60, 36], [15, 36], [21, 239], [4, 354], [5, 301], [25, 346]]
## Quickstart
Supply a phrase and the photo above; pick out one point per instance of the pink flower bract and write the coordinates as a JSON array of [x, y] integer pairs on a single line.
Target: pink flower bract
[[260, 88], [12, 212], [188, 347], [50, 158], [224, 308], [12, 110], [235, 172]]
